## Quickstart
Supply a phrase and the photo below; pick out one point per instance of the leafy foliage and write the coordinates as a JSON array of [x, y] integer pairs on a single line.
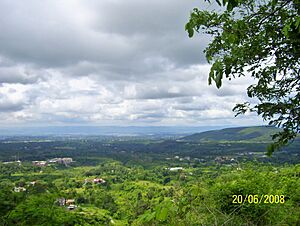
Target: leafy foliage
[[259, 134], [194, 196], [141, 188], [260, 38]]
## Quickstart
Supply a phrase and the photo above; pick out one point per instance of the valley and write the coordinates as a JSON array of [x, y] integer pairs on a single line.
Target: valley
[[149, 180]]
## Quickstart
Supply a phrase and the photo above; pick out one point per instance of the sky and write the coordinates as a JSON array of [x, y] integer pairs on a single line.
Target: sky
[[109, 62]]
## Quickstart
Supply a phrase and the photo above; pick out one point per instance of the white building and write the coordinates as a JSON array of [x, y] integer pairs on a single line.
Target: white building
[[176, 168]]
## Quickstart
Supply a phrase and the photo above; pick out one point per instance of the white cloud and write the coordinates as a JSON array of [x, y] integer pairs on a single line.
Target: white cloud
[[108, 62]]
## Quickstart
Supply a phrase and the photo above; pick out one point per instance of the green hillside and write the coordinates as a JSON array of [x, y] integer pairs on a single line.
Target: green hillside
[[238, 134]]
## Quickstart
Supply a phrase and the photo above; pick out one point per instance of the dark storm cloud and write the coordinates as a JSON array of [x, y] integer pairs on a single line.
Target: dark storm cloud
[[10, 107], [159, 24], [18, 74], [119, 34], [141, 17], [49, 34]]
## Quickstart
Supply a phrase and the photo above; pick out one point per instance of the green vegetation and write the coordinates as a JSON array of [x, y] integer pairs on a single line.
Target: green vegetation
[[134, 195], [258, 39], [255, 134], [142, 181]]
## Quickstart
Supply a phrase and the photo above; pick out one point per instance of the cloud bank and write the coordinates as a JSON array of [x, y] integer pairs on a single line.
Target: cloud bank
[[108, 63]]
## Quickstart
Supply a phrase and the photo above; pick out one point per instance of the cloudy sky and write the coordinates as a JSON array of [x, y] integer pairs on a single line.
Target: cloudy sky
[[108, 62]]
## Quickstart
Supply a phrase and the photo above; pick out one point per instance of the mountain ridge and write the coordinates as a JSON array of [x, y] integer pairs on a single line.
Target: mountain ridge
[[237, 134]]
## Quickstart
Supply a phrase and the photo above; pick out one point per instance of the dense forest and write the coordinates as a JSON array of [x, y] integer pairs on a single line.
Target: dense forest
[[149, 181]]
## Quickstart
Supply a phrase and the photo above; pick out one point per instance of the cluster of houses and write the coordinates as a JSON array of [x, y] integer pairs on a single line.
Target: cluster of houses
[[68, 203], [86, 181], [39, 163], [65, 161], [22, 188], [186, 158], [224, 159], [19, 189], [94, 181]]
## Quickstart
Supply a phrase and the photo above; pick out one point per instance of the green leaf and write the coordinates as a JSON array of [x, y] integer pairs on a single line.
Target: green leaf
[[218, 79], [189, 29], [297, 22], [286, 30], [162, 214], [271, 149]]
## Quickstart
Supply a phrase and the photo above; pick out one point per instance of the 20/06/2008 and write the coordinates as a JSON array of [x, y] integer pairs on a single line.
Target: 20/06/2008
[[257, 199]]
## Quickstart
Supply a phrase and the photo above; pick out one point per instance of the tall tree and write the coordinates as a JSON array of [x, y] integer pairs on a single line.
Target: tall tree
[[258, 38]]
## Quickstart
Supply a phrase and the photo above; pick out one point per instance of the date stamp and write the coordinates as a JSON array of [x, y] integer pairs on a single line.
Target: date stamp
[[258, 199]]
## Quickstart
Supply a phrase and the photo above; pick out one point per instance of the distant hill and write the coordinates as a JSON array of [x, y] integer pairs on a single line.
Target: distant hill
[[239, 134], [104, 130]]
